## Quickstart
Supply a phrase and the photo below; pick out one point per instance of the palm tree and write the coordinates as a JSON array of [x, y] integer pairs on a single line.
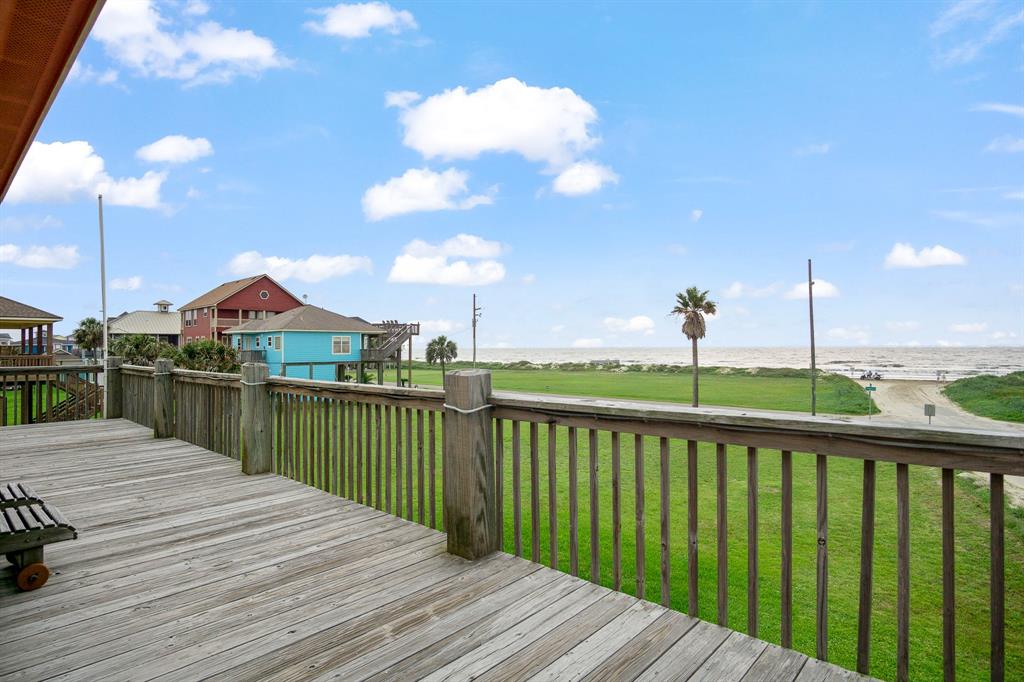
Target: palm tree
[[89, 334], [692, 307], [441, 350]]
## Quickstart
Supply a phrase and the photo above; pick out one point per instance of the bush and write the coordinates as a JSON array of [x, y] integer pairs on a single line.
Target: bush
[[140, 349], [207, 356]]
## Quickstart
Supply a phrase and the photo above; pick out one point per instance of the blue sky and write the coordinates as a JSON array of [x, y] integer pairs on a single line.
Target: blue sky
[[573, 164]]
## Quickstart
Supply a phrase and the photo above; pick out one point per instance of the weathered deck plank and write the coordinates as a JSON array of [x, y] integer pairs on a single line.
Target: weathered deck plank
[[187, 569]]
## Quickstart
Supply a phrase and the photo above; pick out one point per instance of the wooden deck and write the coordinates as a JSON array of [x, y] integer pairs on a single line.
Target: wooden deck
[[186, 569]]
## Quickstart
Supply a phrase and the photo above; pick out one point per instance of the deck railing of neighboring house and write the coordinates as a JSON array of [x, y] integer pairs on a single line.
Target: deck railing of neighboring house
[[38, 394], [396, 334], [379, 446], [25, 360]]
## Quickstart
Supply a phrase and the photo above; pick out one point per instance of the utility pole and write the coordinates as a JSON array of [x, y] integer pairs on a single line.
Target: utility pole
[[476, 316], [810, 307], [103, 298]]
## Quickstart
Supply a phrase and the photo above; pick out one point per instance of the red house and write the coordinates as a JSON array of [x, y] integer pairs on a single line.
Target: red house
[[232, 304]]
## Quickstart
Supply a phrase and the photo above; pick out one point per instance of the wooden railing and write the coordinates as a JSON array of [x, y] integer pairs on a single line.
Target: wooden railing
[[372, 444], [23, 360], [507, 475], [137, 394], [50, 394]]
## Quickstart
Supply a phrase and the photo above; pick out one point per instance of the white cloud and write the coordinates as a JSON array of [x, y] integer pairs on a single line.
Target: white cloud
[[421, 189], [529, 278], [558, 329], [969, 327], [1002, 336], [86, 74], [1017, 195], [315, 268], [133, 283], [136, 35], [739, 290], [819, 149], [401, 99], [981, 220], [193, 193], [967, 28], [18, 223], [903, 326], [61, 257], [440, 326], [943, 343], [904, 256], [856, 334], [822, 289], [1007, 144], [696, 214], [587, 343], [175, 149], [196, 8], [67, 171], [997, 107], [583, 177], [638, 324], [358, 20], [424, 263], [551, 125], [678, 249]]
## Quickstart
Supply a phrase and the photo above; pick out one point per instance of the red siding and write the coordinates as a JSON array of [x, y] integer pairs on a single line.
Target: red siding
[[228, 310]]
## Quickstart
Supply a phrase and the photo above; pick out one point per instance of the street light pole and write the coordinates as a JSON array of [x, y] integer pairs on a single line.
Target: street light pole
[[103, 297], [810, 307]]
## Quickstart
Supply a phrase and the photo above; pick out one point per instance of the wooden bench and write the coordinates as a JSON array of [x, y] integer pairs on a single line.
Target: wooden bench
[[27, 524]]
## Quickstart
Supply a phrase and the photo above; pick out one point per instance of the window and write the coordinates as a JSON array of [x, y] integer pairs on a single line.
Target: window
[[341, 345], [252, 314], [257, 342], [270, 341], [238, 342], [206, 312], [277, 342], [264, 294]]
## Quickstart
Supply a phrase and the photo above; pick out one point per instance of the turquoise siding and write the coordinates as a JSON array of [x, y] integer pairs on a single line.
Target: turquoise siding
[[302, 347]]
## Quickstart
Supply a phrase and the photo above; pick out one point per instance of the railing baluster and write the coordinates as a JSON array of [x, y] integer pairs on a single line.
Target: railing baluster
[[433, 468], [369, 453], [786, 589], [553, 495], [517, 502], [867, 551], [595, 511], [378, 456], [616, 514], [691, 527], [902, 573], [574, 512], [420, 469], [387, 458], [666, 565], [641, 532], [997, 580], [948, 579], [409, 474], [350, 437], [398, 461], [359, 452], [821, 634], [499, 478], [339, 446], [753, 600], [723, 533], [534, 495]]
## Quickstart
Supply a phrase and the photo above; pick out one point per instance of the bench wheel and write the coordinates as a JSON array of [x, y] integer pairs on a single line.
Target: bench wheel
[[33, 576]]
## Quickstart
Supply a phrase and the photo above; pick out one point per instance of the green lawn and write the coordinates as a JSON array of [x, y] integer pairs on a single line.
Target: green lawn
[[990, 396], [12, 401], [767, 389]]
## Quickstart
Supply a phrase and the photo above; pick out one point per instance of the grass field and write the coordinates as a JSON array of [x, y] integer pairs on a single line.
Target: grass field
[[844, 481], [12, 403], [767, 389], [990, 396]]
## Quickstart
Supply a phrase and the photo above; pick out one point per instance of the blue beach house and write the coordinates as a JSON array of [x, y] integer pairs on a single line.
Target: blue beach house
[[308, 343]]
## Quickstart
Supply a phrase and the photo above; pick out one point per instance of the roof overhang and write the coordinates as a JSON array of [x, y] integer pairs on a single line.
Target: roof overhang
[[26, 322], [39, 40]]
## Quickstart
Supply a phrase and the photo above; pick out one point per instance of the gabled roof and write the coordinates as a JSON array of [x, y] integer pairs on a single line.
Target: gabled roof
[[307, 318], [228, 289], [15, 310], [147, 322]]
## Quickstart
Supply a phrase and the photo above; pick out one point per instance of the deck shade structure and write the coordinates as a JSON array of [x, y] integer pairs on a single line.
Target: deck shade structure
[[36, 326], [39, 40]]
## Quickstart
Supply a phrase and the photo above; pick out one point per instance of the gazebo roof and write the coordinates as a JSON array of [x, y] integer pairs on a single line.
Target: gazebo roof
[[18, 315]]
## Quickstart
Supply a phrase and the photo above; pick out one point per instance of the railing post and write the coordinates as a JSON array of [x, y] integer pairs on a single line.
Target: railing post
[[112, 401], [163, 398], [256, 419], [470, 511]]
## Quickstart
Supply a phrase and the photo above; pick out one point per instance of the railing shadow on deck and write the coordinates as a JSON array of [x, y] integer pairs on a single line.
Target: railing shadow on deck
[[378, 446]]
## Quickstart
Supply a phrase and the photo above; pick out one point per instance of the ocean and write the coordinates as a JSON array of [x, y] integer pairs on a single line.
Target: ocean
[[891, 362]]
